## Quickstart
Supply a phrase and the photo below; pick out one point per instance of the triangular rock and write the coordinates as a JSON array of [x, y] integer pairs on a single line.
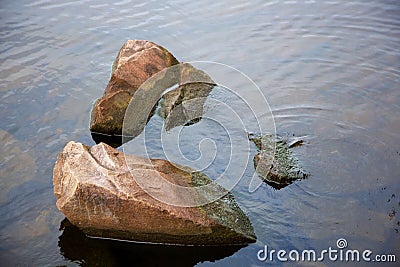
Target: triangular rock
[[97, 190]]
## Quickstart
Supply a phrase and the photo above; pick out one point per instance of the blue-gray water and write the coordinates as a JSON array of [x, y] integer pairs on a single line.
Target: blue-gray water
[[329, 69]]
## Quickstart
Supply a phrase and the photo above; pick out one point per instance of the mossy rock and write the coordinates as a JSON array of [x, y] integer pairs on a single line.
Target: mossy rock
[[275, 163]]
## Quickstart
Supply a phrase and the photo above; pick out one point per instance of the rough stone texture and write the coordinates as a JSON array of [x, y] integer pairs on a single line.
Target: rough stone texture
[[97, 190], [109, 111], [137, 61], [184, 105], [275, 162]]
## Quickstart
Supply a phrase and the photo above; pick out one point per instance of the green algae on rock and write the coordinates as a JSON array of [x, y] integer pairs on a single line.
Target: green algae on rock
[[225, 211], [275, 163]]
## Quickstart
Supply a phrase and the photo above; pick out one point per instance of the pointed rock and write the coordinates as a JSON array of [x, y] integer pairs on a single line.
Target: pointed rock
[[137, 61], [97, 189]]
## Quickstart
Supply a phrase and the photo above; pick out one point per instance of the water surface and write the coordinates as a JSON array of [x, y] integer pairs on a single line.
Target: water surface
[[329, 70]]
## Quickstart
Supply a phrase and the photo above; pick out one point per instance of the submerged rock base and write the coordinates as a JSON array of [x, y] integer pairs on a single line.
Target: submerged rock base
[[77, 247], [97, 190]]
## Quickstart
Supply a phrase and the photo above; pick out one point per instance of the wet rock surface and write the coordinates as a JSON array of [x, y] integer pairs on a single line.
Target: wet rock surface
[[136, 61], [142, 73], [98, 191], [275, 163]]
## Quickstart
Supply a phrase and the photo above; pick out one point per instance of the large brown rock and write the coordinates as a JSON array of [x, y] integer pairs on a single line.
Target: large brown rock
[[137, 61], [109, 194]]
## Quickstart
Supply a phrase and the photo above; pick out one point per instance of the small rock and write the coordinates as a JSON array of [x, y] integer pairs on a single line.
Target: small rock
[[184, 105], [97, 189], [275, 162]]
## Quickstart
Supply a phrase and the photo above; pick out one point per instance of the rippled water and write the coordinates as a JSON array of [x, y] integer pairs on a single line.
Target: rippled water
[[329, 70]]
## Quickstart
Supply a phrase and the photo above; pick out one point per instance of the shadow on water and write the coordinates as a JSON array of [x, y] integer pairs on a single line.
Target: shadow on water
[[77, 247], [112, 140]]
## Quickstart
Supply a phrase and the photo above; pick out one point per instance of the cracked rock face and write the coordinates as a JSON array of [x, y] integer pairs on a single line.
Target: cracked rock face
[[97, 190]]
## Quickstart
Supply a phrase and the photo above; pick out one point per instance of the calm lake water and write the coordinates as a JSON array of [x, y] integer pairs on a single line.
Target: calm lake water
[[330, 71]]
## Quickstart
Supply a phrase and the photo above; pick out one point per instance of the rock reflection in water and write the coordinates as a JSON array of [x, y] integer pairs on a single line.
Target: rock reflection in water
[[77, 247]]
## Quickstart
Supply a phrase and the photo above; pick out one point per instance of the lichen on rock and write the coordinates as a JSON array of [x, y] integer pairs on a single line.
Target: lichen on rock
[[275, 163]]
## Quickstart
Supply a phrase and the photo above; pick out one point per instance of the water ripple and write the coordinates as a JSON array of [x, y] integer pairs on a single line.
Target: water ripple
[[329, 69]]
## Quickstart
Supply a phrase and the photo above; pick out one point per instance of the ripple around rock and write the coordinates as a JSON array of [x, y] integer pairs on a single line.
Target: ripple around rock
[[96, 188]]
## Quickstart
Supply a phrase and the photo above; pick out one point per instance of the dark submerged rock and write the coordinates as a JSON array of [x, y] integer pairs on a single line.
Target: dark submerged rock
[[275, 162]]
